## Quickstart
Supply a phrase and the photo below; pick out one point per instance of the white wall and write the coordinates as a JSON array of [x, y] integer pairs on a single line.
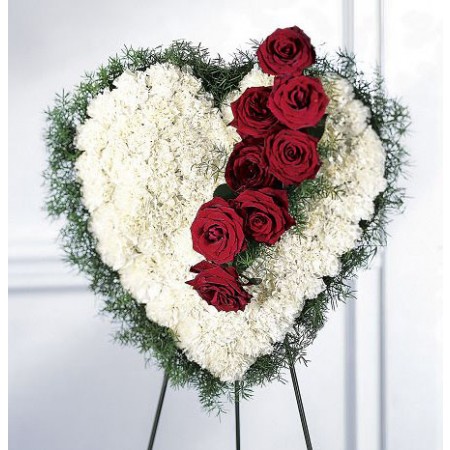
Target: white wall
[[374, 377]]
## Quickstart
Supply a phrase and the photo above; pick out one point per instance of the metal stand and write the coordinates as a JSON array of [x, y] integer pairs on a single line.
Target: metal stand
[[301, 410], [298, 397], [158, 412], [237, 415]]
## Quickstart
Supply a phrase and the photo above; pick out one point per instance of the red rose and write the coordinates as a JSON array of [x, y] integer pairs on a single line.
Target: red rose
[[251, 115], [265, 213], [292, 156], [247, 166], [286, 51], [217, 231], [219, 286], [298, 101]]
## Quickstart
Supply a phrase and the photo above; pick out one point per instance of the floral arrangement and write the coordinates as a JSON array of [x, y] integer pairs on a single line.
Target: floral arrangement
[[219, 208]]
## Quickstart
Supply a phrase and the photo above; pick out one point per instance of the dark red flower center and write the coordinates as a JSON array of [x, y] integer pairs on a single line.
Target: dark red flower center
[[288, 49], [249, 169], [292, 153], [258, 220], [299, 98], [258, 107], [215, 233]]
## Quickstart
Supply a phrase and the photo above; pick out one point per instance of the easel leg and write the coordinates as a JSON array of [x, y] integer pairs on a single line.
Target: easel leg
[[237, 415], [158, 412], [301, 410]]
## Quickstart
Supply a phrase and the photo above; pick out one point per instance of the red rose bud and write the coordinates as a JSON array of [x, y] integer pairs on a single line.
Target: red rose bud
[[286, 51], [251, 115], [265, 213], [219, 286], [292, 156], [247, 166], [298, 101], [217, 231]]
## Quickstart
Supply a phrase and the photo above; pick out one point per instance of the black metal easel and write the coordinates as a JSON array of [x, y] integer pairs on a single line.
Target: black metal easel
[[301, 409], [237, 416], [158, 412], [298, 397]]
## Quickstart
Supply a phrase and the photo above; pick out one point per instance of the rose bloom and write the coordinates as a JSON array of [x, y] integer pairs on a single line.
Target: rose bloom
[[292, 156], [247, 166], [286, 51], [252, 117], [219, 286], [298, 101], [217, 231], [265, 213]]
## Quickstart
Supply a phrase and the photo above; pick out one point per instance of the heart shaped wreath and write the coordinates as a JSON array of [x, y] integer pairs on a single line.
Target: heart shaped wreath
[[278, 169]]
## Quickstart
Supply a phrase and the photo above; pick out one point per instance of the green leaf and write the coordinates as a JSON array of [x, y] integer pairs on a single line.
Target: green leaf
[[319, 129], [224, 191]]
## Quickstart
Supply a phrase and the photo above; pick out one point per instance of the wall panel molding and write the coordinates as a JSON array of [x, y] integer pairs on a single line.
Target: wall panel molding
[[363, 36], [36, 263]]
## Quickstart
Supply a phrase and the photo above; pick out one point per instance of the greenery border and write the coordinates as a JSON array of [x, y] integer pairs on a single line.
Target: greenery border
[[388, 118]]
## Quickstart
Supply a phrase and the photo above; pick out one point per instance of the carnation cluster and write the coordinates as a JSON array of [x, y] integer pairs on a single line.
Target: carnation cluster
[[276, 151]]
